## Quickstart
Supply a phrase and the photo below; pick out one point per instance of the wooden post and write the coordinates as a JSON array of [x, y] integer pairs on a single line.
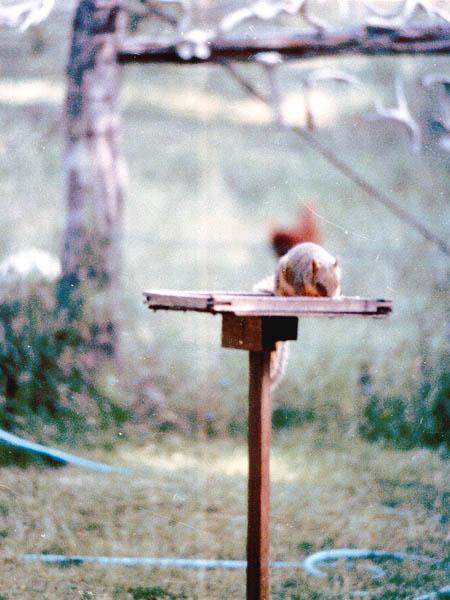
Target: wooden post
[[258, 335], [259, 429]]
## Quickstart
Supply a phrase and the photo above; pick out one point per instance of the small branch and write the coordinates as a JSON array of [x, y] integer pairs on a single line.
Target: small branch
[[271, 62], [266, 11], [400, 114], [399, 17], [418, 39], [318, 76], [160, 14], [25, 13], [248, 87]]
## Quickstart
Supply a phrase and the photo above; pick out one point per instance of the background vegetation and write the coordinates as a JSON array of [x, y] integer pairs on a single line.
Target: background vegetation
[[208, 175]]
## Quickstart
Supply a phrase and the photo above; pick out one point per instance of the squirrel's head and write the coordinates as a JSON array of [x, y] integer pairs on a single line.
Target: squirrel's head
[[326, 278], [308, 270]]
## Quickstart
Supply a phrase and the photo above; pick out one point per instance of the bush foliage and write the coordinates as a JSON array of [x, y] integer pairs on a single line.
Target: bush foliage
[[43, 378], [423, 419]]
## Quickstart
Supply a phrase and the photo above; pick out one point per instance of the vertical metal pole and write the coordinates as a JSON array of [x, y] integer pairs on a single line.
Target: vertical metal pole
[[259, 429]]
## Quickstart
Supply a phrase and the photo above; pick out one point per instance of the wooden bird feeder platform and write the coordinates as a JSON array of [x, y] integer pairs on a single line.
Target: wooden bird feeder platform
[[255, 322]]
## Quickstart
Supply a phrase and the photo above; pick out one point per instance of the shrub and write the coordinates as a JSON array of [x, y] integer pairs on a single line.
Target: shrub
[[286, 416], [423, 419], [153, 593], [41, 375]]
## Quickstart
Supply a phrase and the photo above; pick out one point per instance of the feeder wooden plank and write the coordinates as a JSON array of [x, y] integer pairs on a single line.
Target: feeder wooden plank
[[165, 300], [257, 304]]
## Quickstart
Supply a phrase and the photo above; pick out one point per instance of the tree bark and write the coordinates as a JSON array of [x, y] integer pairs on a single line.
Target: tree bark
[[94, 173]]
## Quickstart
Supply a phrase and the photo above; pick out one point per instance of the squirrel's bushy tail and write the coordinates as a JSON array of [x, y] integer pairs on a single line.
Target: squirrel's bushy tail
[[279, 356], [278, 362]]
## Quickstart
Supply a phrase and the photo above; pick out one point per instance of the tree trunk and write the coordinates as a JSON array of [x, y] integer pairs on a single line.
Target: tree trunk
[[94, 175]]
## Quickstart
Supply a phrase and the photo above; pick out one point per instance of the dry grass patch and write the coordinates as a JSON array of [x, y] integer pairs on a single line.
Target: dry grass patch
[[187, 499]]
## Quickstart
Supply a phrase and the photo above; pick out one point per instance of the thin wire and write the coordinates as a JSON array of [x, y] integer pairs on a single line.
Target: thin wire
[[370, 189], [345, 169], [344, 229]]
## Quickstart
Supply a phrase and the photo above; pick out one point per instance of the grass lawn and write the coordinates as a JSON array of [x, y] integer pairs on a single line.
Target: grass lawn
[[187, 499]]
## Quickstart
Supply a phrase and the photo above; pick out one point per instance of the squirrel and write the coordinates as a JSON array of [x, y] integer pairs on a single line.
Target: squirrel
[[306, 269], [304, 229]]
